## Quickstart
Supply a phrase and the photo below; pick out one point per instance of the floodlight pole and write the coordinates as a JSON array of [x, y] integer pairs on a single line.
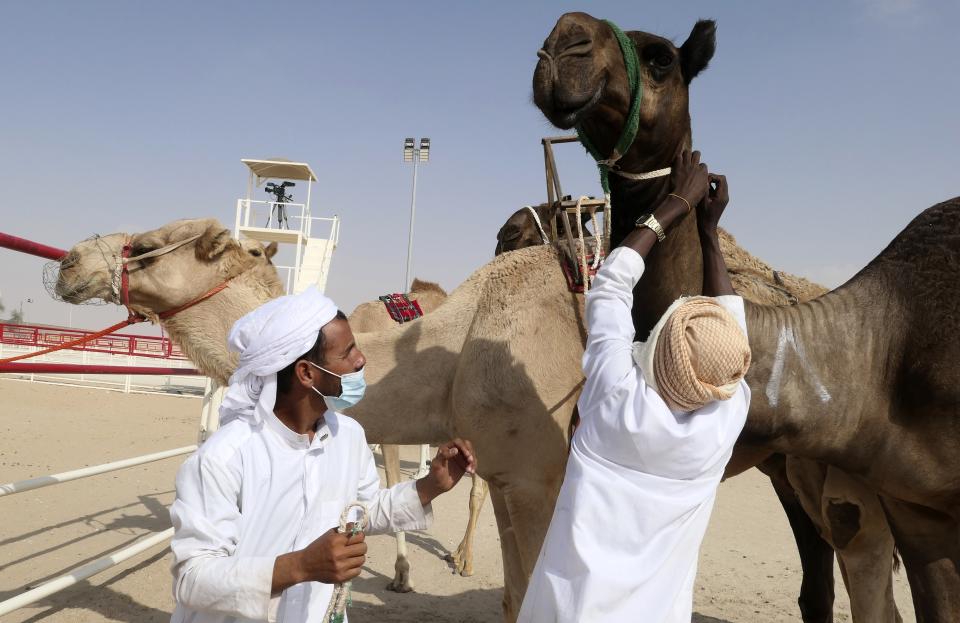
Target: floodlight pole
[[413, 153], [413, 214]]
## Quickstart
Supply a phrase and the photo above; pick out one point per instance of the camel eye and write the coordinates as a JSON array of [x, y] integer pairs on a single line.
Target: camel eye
[[658, 56], [255, 252], [663, 60]]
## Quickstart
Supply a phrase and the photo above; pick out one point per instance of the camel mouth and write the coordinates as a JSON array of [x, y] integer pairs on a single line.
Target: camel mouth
[[566, 116], [76, 293]]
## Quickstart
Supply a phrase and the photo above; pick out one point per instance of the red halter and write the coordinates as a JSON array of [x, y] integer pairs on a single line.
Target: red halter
[[132, 316]]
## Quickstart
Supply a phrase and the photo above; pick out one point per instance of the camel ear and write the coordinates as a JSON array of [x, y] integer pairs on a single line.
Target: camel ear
[[270, 250], [698, 49], [214, 241]]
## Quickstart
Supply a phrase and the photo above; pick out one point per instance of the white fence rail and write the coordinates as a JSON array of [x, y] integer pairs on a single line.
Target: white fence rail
[[82, 573], [126, 383], [29, 484]]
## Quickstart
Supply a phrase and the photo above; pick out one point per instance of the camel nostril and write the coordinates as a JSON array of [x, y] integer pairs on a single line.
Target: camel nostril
[[579, 47]]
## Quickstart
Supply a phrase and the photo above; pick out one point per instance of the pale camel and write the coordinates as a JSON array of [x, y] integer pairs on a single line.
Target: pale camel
[[459, 361], [485, 366], [372, 316], [899, 397]]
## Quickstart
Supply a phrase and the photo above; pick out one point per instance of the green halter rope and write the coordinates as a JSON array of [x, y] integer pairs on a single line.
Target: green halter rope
[[633, 117]]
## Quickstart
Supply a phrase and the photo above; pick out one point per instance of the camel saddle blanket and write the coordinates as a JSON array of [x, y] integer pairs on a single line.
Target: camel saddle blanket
[[401, 308], [573, 274]]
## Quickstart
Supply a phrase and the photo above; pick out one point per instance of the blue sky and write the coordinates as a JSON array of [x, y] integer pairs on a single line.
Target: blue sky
[[836, 123]]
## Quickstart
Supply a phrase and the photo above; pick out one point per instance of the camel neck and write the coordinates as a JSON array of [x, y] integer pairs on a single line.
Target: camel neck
[[201, 331], [804, 357], [674, 267]]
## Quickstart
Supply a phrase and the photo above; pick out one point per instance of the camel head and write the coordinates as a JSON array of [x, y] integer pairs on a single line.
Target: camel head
[[156, 284], [581, 80], [521, 231]]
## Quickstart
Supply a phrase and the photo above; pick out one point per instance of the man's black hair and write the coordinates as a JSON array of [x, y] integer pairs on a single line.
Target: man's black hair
[[315, 354]]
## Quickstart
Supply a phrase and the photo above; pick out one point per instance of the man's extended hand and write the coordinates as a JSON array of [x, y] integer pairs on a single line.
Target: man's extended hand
[[688, 178], [453, 460], [711, 208]]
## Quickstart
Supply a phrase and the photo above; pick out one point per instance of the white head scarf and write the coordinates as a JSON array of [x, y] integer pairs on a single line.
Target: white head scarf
[[270, 338]]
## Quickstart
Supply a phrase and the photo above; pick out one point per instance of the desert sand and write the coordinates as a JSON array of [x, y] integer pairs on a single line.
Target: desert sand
[[749, 569]]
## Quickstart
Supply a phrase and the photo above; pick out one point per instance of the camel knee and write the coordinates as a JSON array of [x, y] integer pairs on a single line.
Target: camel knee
[[843, 519]]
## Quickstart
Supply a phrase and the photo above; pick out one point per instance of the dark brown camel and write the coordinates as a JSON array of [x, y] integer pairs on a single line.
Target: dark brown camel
[[881, 412]]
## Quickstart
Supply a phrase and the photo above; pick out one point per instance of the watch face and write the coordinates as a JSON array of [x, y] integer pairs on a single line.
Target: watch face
[[643, 219]]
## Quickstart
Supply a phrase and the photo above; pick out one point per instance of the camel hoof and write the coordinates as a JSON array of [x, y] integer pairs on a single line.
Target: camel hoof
[[401, 579], [462, 565], [400, 585]]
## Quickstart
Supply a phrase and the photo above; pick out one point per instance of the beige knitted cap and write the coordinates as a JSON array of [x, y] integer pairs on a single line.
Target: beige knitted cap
[[696, 354]]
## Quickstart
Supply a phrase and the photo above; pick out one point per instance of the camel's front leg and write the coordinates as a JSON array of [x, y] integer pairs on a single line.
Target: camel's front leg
[[799, 490], [928, 544], [864, 544], [401, 580], [462, 559], [514, 579], [848, 514]]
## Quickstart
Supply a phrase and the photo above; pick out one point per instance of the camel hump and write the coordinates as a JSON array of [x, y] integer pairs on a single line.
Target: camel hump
[[918, 272], [758, 282], [933, 237], [419, 286]]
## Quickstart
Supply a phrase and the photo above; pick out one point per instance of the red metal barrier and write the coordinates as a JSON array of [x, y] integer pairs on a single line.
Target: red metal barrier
[[23, 245], [114, 344], [71, 368]]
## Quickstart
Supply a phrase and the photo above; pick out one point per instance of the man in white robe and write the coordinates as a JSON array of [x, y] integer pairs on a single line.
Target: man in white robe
[[258, 504], [641, 477]]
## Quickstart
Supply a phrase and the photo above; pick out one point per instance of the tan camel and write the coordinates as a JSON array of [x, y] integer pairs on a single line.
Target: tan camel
[[459, 361], [581, 81], [369, 317]]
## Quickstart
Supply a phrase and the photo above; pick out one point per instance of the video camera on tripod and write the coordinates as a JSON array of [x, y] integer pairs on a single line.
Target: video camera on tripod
[[280, 192]]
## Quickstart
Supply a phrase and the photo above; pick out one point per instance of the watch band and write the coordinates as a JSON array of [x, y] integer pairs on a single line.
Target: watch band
[[650, 221]]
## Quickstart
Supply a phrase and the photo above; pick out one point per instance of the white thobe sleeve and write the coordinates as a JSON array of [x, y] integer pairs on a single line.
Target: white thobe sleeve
[[206, 520], [608, 357], [395, 509]]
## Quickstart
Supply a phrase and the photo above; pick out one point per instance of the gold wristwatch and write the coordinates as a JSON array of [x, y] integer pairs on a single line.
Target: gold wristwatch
[[649, 221]]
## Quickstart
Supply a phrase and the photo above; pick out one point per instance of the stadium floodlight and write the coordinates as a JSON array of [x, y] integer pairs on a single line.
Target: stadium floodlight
[[424, 150], [408, 149]]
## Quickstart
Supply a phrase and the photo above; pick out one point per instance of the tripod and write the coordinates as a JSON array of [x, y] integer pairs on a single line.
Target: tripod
[[279, 204]]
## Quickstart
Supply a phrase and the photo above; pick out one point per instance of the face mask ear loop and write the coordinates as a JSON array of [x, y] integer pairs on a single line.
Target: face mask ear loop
[[339, 376]]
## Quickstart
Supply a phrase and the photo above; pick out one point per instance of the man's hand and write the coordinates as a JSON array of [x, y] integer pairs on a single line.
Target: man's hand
[[711, 208], [453, 460], [689, 177], [334, 557]]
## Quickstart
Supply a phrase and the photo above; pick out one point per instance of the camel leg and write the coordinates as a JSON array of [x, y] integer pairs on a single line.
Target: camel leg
[[928, 544], [462, 559], [424, 467], [816, 555], [859, 531], [514, 578], [401, 579], [531, 507]]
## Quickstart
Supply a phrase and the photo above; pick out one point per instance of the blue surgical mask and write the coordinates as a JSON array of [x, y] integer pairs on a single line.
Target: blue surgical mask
[[352, 387]]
